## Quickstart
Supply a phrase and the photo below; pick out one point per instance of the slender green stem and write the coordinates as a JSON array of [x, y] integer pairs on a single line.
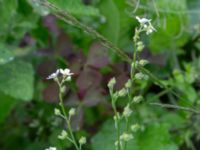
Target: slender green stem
[[127, 119], [117, 123], [80, 147], [66, 118]]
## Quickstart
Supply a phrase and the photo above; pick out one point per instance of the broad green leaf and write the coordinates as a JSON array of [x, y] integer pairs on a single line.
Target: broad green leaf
[[8, 12], [6, 105], [173, 21], [111, 28], [155, 136], [16, 80], [6, 54], [75, 7], [17, 18], [118, 25]]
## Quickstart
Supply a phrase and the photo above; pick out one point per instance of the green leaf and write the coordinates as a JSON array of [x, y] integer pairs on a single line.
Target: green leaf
[[111, 28], [75, 7], [155, 136], [17, 18], [117, 26], [171, 27], [6, 54], [16, 80], [6, 105], [7, 11], [39, 8]]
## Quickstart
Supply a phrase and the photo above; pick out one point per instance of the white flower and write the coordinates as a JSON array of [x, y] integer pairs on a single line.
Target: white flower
[[146, 25], [143, 20], [54, 75], [51, 148], [66, 72]]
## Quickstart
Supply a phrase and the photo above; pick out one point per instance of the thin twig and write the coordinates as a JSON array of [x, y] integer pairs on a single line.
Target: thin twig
[[176, 107]]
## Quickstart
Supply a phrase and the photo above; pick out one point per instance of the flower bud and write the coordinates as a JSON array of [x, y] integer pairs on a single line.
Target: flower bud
[[140, 48], [63, 135], [143, 62], [126, 137], [122, 92], [69, 78], [135, 127], [128, 84], [111, 83], [137, 99], [141, 76], [57, 112], [82, 140], [127, 111], [72, 112], [134, 64], [63, 89]]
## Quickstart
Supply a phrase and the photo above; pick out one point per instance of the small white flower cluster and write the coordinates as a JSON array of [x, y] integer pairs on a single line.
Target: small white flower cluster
[[146, 25], [64, 72]]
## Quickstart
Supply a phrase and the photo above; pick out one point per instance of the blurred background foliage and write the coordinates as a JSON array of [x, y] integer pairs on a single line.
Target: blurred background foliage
[[33, 43]]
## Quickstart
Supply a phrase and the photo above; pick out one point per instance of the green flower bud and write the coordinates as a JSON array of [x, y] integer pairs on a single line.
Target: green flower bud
[[126, 137], [135, 127], [137, 99], [127, 111], [143, 62], [141, 76], [122, 92], [82, 140], [140, 48], [72, 112], [111, 83], [134, 64], [63, 89], [57, 112], [63, 135], [69, 78], [128, 84]]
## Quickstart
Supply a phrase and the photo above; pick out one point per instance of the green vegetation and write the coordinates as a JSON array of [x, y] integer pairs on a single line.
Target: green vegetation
[[133, 81]]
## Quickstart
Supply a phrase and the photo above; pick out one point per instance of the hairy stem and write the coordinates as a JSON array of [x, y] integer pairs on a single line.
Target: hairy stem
[[176, 107]]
